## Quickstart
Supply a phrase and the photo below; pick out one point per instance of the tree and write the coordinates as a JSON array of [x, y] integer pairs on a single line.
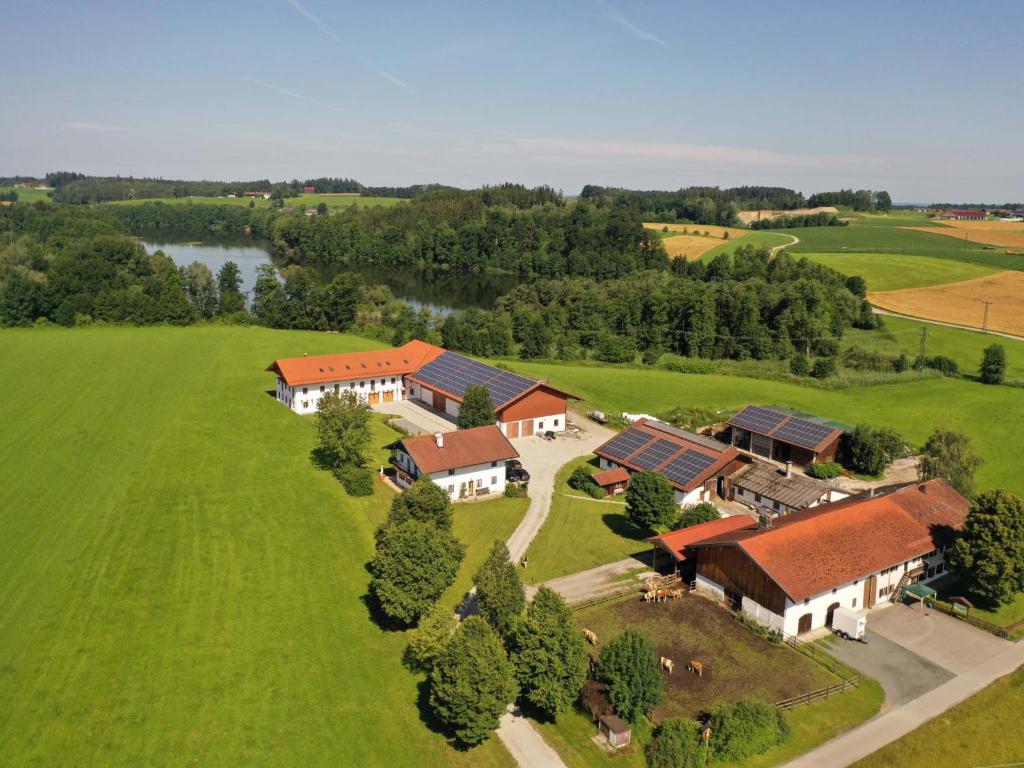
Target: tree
[[676, 744], [343, 429], [414, 563], [629, 667], [703, 512], [872, 450], [200, 288], [472, 682], [650, 500], [550, 655], [799, 365], [425, 501], [993, 364], [229, 289], [340, 300], [948, 455], [581, 477], [499, 592], [477, 409], [430, 637], [988, 556], [823, 368], [746, 729], [321, 209]]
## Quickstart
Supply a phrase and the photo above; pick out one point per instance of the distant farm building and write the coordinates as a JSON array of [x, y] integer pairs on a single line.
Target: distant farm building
[[782, 437], [465, 463], [964, 215], [791, 574], [309, 190], [695, 465], [436, 378]]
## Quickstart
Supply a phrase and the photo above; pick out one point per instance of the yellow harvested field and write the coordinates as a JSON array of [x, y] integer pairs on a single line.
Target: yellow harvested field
[[962, 303], [1006, 233], [748, 216], [691, 242]]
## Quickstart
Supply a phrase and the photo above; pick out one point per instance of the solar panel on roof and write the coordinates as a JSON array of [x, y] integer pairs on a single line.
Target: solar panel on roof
[[758, 419], [803, 432], [625, 443], [655, 454], [685, 468], [455, 374]]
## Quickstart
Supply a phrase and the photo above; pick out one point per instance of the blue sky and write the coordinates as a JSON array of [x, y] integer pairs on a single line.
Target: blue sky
[[923, 99]]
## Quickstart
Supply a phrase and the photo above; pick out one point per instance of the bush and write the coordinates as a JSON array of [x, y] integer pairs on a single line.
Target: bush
[[515, 491], [651, 356], [650, 500], [872, 450], [947, 366], [993, 364], [746, 729], [823, 470], [698, 513], [799, 365], [691, 418], [676, 744], [595, 491], [357, 481], [582, 477], [824, 367], [612, 348]]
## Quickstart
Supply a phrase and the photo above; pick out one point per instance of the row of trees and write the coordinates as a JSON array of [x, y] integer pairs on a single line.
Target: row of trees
[[861, 200], [700, 205], [820, 219]]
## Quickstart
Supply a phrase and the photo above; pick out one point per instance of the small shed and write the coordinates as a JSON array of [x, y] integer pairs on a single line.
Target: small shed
[[617, 731], [614, 481]]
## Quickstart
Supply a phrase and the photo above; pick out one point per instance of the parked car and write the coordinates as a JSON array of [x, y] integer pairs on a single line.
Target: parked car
[[516, 475], [514, 464]]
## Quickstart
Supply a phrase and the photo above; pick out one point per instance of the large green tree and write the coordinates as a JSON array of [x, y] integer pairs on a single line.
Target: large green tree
[[340, 300], [988, 555], [499, 592], [342, 429], [947, 454], [993, 364], [430, 637], [676, 744], [550, 654], [872, 450], [472, 682], [425, 501], [414, 563], [703, 512], [746, 729], [229, 289], [630, 669], [477, 409], [650, 500]]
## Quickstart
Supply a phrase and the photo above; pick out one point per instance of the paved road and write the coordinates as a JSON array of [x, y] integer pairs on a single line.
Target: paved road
[[525, 744]]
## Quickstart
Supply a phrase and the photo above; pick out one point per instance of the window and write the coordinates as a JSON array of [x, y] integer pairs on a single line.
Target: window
[[854, 603], [336, 388], [757, 497], [834, 590], [540, 425], [305, 403], [451, 472], [351, 385], [479, 482], [392, 379], [382, 382], [494, 463], [494, 479], [362, 383], [305, 391], [931, 572], [807, 601], [451, 489], [940, 568], [775, 506], [556, 422], [322, 389]]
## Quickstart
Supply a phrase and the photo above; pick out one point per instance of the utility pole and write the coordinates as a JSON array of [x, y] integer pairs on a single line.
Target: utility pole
[[984, 321], [924, 345]]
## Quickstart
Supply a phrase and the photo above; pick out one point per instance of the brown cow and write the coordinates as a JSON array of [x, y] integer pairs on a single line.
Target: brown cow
[[696, 667], [667, 664]]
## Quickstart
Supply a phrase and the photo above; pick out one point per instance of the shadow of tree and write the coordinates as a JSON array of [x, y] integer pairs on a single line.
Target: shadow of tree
[[322, 459]]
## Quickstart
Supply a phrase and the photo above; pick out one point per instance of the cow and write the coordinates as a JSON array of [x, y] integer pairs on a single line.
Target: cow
[[667, 664], [649, 597], [696, 667], [591, 636]]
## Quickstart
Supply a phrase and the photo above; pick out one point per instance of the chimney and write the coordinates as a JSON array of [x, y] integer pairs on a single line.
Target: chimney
[[439, 439], [789, 469], [871, 492]]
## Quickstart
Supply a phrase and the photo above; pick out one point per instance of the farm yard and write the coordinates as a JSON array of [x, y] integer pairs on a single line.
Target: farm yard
[[961, 303]]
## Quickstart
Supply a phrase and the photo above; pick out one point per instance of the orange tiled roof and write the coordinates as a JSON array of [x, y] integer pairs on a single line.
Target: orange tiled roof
[[316, 369], [817, 549], [677, 541], [611, 476], [462, 448]]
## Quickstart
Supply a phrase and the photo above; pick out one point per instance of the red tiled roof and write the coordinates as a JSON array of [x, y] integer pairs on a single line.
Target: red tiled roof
[[814, 550], [316, 369], [462, 448], [611, 477], [677, 541]]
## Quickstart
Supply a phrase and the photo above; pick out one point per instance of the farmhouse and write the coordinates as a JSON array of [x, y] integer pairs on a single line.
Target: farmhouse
[[465, 463], [308, 189], [772, 490], [964, 215], [695, 465], [782, 437], [792, 573], [426, 373]]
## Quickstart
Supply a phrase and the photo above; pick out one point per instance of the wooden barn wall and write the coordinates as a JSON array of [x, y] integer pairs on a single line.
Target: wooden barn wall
[[737, 573]]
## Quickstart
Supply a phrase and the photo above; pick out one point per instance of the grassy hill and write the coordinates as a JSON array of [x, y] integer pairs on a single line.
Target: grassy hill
[[894, 271], [181, 586]]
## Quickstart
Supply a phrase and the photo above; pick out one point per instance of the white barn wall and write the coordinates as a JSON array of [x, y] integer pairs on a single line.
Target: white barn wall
[[306, 402], [480, 475]]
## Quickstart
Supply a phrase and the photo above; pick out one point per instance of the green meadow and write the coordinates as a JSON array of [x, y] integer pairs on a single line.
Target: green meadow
[[758, 237], [28, 195], [181, 585], [894, 271], [301, 201]]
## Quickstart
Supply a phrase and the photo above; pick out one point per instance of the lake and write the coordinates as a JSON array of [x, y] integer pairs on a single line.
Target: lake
[[441, 292]]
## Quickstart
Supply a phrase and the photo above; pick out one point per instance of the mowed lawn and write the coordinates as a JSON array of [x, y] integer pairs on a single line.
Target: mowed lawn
[[992, 415], [181, 586], [894, 271], [983, 730]]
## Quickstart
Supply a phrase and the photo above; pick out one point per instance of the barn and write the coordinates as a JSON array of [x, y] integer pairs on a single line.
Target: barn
[[773, 490], [697, 466], [791, 574], [781, 436]]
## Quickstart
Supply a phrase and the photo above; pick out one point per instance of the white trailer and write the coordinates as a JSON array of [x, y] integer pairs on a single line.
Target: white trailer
[[849, 623]]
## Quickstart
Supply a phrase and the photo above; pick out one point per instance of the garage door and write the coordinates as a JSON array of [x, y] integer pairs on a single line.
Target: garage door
[[527, 428], [389, 396], [374, 398], [438, 401], [512, 429]]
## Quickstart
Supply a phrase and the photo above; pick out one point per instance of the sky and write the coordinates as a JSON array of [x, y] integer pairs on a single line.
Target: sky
[[924, 99]]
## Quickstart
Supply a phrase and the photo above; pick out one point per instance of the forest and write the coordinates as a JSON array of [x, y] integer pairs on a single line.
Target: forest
[[861, 200], [700, 205]]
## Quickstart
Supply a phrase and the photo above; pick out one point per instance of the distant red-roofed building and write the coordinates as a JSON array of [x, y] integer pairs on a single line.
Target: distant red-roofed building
[[964, 215], [855, 553], [309, 190]]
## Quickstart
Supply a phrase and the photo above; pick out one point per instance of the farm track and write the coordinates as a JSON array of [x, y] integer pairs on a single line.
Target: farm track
[[880, 311], [793, 241]]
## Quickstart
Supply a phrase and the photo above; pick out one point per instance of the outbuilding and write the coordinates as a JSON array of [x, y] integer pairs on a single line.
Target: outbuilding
[[613, 481], [770, 489], [617, 731], [781, 436]]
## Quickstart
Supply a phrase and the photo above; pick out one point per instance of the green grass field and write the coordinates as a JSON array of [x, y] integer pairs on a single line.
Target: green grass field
[[758, 237], [984, 730], [992, 415], [599, 530], [181, 586], [301, 201], [894, 271], [28, 195]]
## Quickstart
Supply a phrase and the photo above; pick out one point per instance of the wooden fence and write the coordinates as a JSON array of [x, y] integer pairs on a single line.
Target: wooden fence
[[819, 695], [988, 626], [626, 589]]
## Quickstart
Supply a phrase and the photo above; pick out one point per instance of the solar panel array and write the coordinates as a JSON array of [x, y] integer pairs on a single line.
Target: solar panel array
[[803, 432], [685, 468], [625, 443], [758, 419], [655, 454], [454, 373]]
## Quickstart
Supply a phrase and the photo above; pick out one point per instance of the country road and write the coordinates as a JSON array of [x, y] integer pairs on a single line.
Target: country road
[[890, 313], [793, 241]]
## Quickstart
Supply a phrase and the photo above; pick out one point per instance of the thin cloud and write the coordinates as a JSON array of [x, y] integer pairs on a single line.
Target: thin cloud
[[634, 30], [291, 94], [97, 127], [314, 20], [391, 78]]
